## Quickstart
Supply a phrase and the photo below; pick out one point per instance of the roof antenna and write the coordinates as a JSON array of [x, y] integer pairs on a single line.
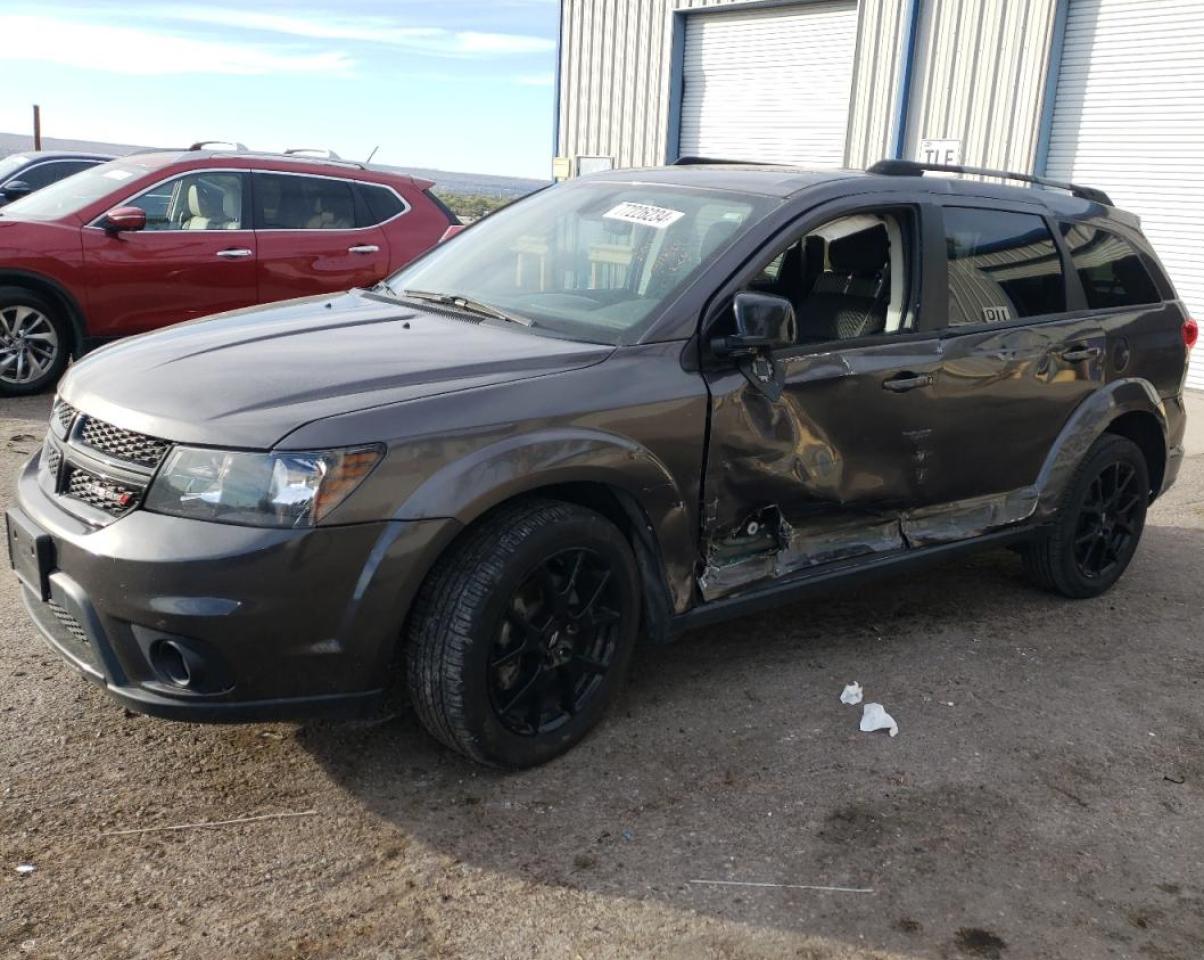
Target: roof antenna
[[372, 154]]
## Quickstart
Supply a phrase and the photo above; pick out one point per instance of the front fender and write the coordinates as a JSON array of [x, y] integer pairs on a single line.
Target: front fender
[[1087, 424], [469, 486]]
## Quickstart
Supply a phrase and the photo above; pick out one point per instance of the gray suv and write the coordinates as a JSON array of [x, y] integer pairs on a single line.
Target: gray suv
[[623, 407]]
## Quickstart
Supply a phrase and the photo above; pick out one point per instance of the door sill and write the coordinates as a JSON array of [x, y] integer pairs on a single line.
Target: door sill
[[798, 586]]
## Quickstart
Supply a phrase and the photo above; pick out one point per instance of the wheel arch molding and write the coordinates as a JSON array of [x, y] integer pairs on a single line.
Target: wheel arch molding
[[45, 286], [606, 472], [1130, 408]]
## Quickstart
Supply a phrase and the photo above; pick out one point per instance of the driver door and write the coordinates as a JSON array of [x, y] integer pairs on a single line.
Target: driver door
[[814, 461], [195, 257]]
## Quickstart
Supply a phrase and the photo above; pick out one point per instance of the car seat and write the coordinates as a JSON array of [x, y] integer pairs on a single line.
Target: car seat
[[850, 298]]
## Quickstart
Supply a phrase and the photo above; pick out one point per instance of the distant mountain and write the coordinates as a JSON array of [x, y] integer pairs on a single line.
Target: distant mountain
[[448, 181]]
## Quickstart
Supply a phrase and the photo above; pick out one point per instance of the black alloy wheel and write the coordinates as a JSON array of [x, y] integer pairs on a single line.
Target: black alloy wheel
[[521, 635], [555, 643], [1110, 520], [1098, 525]]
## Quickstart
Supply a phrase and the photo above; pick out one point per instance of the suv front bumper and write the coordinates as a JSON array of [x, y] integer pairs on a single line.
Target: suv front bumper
[[204, 621]]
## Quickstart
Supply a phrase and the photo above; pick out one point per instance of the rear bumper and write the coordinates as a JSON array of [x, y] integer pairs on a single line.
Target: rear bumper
[[269, 624]]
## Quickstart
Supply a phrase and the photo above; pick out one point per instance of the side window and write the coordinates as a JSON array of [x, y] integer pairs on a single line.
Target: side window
[[1002, 266], [1110, 268], [286, 201], [196, 201], [847, 278], [44, 174], [382, 203]]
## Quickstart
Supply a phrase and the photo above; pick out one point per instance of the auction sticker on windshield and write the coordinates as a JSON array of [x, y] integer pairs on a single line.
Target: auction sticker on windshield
[[644, 214]]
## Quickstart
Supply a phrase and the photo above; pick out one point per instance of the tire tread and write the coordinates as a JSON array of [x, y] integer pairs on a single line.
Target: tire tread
[[440, 628]]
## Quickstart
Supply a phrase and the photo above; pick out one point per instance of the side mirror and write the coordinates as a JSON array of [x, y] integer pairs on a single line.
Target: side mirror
[[120, 219], [16, 189], [764, 322]]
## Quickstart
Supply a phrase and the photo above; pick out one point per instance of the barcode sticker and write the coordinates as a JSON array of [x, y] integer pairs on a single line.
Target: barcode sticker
[[644, 214]]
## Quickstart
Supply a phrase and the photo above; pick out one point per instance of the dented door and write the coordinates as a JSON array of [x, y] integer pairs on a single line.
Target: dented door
[[824, 472]]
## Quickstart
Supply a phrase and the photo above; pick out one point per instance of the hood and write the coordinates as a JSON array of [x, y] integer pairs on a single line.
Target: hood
[[248, 378]]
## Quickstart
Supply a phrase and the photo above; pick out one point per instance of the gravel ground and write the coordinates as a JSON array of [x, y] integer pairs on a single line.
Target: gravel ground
[[1043, 799]]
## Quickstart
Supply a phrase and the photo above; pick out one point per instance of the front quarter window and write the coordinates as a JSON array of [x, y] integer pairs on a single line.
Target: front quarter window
[[588, 260]]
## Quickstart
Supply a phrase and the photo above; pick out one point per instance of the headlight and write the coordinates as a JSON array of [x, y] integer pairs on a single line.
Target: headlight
[[283, 489]]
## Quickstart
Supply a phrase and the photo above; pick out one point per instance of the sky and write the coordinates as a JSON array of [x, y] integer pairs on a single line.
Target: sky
[[464, 85]]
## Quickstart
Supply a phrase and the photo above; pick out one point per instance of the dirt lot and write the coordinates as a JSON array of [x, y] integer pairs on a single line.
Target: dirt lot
[[1045, 797]]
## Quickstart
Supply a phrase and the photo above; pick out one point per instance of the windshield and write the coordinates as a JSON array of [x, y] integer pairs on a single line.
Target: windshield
[[10, 164], [72, 194], [592, 261]]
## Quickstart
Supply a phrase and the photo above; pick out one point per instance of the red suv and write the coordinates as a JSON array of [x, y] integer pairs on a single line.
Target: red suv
[[157, 238]]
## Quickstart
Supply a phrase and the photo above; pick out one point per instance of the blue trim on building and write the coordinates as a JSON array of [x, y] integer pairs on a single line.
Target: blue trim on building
[[1056, 44], [899, 133], [677, 84], [556, 82]]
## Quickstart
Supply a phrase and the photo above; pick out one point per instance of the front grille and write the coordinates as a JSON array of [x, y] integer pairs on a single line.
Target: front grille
[[69, 623], [63, 414], [52, 457], [115, 499], [123, 444]]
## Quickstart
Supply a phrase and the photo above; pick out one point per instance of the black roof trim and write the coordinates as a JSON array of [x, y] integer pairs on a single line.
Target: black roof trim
[[910, 168], [701, 161]]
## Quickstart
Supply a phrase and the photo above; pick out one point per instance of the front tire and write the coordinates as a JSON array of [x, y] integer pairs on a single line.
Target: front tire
[[521, 635], [1098, 525], [34, 343]]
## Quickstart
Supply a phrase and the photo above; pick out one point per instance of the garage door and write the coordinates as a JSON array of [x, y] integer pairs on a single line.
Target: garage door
[[769, 84], [1129, 118]]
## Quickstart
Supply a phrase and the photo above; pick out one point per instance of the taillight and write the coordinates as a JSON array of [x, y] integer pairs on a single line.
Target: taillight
[[451, 231], [1191, 332]]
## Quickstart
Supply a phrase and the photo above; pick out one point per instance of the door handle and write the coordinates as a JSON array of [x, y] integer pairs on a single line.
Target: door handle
[[901, 383], [364, 248], [235, 254], [1079, 353]]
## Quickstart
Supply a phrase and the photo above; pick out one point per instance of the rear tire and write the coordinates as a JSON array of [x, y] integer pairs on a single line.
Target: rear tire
[[521, 635], [1098, 525], [35, 343]]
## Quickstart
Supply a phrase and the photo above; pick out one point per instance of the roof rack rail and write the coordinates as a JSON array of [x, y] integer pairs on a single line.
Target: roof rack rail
[[695, 161], [318, 153], [912, 168], [227, 144]]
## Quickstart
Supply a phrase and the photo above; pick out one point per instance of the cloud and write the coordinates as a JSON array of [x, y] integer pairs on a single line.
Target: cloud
[[535, 79], [144, 52], [363, 29]]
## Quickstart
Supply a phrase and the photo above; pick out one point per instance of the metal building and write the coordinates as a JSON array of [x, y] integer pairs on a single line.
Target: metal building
[[1104, 92]]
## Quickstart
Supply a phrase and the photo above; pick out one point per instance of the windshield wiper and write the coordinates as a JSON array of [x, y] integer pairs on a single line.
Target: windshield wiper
[[469, 304]]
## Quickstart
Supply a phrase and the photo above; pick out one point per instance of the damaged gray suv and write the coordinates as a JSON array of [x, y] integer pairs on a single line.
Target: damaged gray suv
[[625, 406]]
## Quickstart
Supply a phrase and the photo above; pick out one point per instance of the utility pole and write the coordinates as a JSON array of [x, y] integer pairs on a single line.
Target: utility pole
[[37, 127]]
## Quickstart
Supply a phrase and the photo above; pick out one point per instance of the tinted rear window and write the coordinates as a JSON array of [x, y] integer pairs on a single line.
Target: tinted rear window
[[1110, 268], [383, 204], [1002, 266], [297, 202]]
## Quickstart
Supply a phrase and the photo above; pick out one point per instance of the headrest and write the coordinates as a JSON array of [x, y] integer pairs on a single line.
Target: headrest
[[194, 201], [862, 254]]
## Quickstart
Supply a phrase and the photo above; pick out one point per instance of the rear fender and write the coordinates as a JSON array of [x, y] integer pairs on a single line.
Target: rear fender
[[468, 487], [1087, 424]]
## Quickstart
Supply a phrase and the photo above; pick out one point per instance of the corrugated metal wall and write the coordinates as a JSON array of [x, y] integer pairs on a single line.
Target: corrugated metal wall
[[979, 78], [615, 73]]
